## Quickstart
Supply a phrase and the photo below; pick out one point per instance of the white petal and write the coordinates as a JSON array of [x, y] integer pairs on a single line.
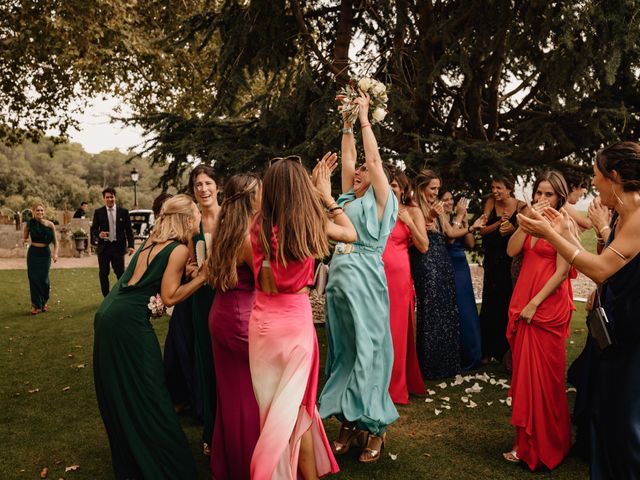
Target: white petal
[[509, 401], [464, 399], [442, 385], [489, 403], [428, 400], [438, 412], [446, 399], [393, 456], [571, 389]]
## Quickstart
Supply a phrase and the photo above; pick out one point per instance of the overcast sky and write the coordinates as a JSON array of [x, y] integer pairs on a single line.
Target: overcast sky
[[98, 133]]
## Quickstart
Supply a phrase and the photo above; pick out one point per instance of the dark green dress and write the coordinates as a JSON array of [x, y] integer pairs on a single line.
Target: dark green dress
[[147, 441], [201, 302], [39, 263]]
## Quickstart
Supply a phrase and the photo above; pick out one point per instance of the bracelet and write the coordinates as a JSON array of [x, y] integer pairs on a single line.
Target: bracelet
[[335, 208], [575, 254], [606, 227], [365, 126], [347, 131]]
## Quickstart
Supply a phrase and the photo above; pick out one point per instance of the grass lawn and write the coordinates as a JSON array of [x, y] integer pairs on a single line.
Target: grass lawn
[[49, 416]]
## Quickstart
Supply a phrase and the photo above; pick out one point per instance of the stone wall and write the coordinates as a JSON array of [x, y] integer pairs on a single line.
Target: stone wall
[[11, 239]]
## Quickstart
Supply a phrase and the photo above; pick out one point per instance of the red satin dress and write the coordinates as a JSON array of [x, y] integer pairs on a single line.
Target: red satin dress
[[405, 375], [540, 411]]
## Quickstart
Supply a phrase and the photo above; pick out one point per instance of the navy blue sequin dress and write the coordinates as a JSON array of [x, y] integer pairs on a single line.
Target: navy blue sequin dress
[[437, 321]]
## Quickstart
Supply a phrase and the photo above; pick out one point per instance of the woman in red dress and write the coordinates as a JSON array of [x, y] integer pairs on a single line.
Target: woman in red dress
[[539, 318], [408, 230]]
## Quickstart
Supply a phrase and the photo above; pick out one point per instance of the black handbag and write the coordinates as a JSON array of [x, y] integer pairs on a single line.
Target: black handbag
[[598, 324]]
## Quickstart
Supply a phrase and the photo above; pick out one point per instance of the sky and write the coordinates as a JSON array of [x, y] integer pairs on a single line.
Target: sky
[[98, 133]]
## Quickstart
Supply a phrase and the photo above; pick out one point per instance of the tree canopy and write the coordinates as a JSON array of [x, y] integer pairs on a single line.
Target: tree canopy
[[477, 88]]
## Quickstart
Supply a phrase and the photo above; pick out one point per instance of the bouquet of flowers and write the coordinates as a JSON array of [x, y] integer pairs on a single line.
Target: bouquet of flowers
[[156, 306], [378, 99]]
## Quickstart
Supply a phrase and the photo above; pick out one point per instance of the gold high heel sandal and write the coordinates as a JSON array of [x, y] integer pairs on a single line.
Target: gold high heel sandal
[[348, 434], [375, 444]]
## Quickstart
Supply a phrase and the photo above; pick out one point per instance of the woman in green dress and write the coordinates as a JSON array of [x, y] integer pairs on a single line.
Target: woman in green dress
[[144, 432], [360, 355], [203, 187], [39, 256]]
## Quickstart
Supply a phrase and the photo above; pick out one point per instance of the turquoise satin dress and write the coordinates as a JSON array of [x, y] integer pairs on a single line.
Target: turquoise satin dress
[[360, 354]]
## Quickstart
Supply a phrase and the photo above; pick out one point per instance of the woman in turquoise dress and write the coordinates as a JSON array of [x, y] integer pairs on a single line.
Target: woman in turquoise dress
[[144, 432], [360, 355], [203, 186], [39, 256]]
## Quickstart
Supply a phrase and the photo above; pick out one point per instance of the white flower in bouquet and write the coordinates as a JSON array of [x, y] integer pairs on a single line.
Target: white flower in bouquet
[[377, 97], [378, 88], [379, 114], [156, 307], [365, 83]]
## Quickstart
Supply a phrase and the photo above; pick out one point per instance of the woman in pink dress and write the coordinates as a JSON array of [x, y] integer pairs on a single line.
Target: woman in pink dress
[[230, 267], [409, 230], [283, 348]]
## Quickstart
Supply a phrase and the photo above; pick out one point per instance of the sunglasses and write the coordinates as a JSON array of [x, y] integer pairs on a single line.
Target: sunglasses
[[294, 158]]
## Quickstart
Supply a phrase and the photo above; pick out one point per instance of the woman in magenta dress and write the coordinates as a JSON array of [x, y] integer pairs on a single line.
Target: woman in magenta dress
[[408, 230], [283, 348], [539, 318], [230, 267]]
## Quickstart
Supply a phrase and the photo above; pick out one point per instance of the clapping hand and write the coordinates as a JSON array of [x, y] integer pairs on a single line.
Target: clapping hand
[[461, 207], [321, 175], [191, 269], [437, 209], [599, 215], [403, 214], [480, 222], [506, 227]]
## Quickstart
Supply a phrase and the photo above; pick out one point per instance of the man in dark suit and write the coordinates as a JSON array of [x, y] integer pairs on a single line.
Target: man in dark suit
[[111, 228], [82, 211]]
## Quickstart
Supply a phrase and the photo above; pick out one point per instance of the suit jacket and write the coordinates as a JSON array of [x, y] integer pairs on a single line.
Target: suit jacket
[[124, 232]]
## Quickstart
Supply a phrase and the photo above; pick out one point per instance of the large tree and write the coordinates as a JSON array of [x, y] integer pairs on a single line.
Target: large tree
[[476, 87]]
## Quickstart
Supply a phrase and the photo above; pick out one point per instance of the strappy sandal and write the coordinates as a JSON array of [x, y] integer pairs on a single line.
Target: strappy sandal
[[348, 434], [371, 453], [35, 311], [511, 456], [45, 308]]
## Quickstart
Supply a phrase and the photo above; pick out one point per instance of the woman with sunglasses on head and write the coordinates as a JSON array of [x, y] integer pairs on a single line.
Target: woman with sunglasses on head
[[360, 356], [615, 420], [204, 188], [539, 320], [146, 439], [230, 269], [283, 348]]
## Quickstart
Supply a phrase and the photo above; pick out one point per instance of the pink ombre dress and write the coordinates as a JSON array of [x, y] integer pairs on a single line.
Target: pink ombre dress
[[284, 361]]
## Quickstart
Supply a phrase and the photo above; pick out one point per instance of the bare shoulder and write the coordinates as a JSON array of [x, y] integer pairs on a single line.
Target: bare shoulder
[[180, 253], [50, 224]]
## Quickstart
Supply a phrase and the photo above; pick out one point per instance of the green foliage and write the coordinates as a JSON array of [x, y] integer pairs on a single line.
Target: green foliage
[[476, 87], [64, 175]]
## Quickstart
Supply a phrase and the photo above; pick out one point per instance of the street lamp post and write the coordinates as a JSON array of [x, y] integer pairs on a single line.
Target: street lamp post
[[135, 176]]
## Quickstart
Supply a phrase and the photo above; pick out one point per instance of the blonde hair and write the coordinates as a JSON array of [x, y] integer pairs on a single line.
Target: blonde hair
[[38, 204], [232, 227], [175, 221], [290, 203], [422, 180]]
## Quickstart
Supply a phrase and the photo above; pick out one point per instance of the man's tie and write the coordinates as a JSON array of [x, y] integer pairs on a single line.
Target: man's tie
[[112, 224]]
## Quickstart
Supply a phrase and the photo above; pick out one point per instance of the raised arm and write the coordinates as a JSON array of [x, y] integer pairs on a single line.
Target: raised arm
[[171, 291], [372, 158], [349, 155], [339, 227], [597, 267], [583, 222]]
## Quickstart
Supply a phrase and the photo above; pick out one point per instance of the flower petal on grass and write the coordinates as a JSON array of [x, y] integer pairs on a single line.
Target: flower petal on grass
[[442, 385], [437, 412], [393, 456], [428, 400], [71, 468]]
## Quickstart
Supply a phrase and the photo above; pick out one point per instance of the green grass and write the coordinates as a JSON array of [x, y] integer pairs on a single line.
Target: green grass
[[55, 428]]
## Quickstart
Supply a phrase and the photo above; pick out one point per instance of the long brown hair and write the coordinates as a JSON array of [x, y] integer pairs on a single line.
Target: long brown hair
[[421, 181], [290, 203], [557, 182], [231, 229], [395, 174]]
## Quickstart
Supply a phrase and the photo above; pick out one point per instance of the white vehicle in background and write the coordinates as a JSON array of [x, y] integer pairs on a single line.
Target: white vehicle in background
[[141, 222]]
